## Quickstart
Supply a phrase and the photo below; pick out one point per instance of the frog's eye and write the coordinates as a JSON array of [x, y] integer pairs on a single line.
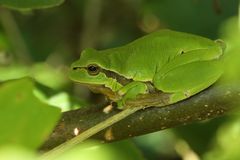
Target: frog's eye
[[93, 69]]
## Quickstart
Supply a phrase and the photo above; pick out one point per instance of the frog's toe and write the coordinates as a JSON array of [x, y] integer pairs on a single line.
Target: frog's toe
[[121, 104]]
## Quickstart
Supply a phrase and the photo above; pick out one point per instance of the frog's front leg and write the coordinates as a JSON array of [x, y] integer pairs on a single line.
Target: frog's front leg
[[130, 91]]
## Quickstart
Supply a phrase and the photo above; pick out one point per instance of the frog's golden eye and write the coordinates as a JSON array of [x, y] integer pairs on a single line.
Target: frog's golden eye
[[93, 69]]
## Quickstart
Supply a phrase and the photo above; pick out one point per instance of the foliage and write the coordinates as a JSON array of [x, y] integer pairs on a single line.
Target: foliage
[[37, 46], [23, 113], [30, 4]]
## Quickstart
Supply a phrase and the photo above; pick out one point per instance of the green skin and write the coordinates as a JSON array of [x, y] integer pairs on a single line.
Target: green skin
[[171, 62], [175, 63]]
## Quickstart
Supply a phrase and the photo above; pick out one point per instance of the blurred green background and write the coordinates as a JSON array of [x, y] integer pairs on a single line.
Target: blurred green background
[[41, 39]]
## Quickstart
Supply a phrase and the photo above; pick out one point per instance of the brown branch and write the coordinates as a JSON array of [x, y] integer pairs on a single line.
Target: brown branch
[[213, 102]]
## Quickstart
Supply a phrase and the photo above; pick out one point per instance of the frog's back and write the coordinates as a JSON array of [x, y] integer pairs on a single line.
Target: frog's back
[[140, 59]]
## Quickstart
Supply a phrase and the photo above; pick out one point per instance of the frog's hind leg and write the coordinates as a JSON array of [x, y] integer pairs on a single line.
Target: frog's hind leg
[[188, 79]]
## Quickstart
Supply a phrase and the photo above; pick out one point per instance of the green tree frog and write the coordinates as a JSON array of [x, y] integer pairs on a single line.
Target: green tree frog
[[165, 61], [170, 62]]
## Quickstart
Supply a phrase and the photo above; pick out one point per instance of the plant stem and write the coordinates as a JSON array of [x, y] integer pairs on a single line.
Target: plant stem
[[88, 133], [18, 44]]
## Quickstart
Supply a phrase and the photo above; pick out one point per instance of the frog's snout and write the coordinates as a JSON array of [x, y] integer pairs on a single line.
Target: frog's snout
[[75, 67]]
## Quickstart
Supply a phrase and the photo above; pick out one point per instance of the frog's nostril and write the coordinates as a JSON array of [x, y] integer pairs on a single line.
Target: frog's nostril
[[75, 68]]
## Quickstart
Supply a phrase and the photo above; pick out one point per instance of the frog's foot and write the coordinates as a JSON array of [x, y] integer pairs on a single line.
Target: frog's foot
[[121, 104], [130, 92]]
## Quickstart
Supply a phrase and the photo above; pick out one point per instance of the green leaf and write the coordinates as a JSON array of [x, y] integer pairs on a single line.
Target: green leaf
[[30, 4], [230, 33], [48, 75], [24, 119], [42, 72], [13, 72], [227, 140], [95, 150], [16, 152]]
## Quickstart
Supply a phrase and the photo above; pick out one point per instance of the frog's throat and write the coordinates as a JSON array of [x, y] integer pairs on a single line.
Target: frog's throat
[[105, 91]]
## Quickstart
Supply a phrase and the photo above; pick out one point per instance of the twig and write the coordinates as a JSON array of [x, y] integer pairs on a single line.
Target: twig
[[213, 102]]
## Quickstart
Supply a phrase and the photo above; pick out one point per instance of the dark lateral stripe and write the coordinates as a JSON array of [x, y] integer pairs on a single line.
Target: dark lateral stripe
[[110, 74], [123, 81], [120, 79]]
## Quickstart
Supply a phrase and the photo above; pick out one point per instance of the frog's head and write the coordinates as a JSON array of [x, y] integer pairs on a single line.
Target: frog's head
[[88, 71]]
